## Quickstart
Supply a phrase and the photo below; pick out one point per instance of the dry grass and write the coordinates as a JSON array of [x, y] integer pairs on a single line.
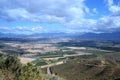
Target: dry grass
[[34, 47], [25, 60]]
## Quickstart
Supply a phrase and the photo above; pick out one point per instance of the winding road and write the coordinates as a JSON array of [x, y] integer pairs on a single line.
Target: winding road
[[49, 71]]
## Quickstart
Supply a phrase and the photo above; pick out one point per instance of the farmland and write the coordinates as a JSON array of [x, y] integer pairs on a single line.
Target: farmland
[[76, 57]]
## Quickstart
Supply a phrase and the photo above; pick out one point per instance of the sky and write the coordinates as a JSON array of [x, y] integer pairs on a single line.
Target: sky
[[69, 16]]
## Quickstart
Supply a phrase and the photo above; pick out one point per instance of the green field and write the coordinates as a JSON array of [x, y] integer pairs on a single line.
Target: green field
[[55, 54], [40, 62]]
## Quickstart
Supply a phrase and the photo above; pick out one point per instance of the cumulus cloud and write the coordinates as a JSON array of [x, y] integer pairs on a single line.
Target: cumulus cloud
[[95, 10], [70, 13], [111, 22], [42, 10], [108, 24], [22, 29], [114, 8]]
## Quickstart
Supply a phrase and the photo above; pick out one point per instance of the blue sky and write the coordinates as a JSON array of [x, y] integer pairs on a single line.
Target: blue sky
[[70, 16]]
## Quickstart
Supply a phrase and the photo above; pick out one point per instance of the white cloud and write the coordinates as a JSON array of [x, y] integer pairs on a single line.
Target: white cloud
[[18, 13], [95, 10], [70, 13], [42, 10], [110, 2], [112, 6], [22, 29]]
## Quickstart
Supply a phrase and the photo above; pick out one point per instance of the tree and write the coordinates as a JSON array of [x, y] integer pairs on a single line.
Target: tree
[[13, 64], [29, 72]]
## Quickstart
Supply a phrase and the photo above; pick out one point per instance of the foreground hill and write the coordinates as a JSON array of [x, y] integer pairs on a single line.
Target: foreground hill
[[12, 69], [89, 68]]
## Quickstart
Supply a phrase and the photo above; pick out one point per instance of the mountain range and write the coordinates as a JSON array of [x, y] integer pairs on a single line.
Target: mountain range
[[89, 36]]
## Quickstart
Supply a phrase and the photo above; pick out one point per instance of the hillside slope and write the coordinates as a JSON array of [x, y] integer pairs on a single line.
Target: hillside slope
[[89, 69], [12, 69]]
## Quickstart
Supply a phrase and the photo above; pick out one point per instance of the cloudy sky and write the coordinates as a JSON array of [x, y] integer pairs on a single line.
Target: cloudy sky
[[71, 16]]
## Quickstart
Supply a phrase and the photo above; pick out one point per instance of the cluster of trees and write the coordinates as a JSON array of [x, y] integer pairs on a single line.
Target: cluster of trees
[[12, 69]]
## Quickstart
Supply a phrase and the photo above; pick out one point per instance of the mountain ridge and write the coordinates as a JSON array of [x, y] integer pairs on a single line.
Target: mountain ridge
[[89, 36]]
